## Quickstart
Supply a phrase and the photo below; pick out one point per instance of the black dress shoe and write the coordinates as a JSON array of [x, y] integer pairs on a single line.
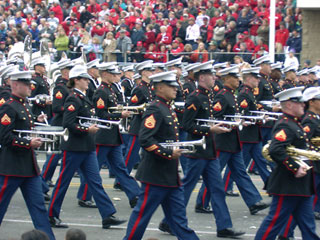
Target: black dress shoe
[[57, 223], [133, 202], [117, 186], [164, 227], [254, 172], [229, 233], [87, 204], [231, 193], [50, 183], [284, 238], [317, 215], [111, 221], [46, 197], [201, 209], [258, 207]]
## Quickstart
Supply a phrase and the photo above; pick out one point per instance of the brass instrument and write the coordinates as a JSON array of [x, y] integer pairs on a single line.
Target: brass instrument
[[315, 141], [271, 103], [227, 124], [49, 135], [101, 123], [275, 114], [299, 155], [186, 146], [40, 97], [134, 109], [27, 51], [252, 119]]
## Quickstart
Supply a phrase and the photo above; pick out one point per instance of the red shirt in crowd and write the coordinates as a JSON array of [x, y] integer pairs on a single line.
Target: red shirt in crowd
[[150, 38], [258, 48], [97, 30], [94, 8], [76, 11], [164, 38], [57, 12], [282, 36]]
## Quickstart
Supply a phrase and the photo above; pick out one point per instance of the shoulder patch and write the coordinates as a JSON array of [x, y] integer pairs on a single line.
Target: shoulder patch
[[281, 136], [192, 106], [59, 95], [306, 129], [100, 103], [256, 91], [2, 101], [216, 88], [134, 99], [150, 122], [33, 87], [244, 104], [217, 107], [5, 120], [71, 108]]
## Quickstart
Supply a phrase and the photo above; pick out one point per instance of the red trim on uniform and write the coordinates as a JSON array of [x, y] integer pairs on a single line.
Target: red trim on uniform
[[286, 230], [145, 198], [97, 149], [130, 150], [4, 186], [274, 219], [59, 183], [204, 195], [227, 181], [84, 196], [315, 199], [252, 165], [49, 163]]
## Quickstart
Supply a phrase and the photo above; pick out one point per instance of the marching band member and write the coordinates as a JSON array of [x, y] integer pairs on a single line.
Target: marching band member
[[158, 170], [141, 94], [40, 85], [290, 80], [228, 144], [79, 153], [127, 82], [5, 89], [250, 136], [204, 162], [218, 85], [303, 79], [190, 83], [60, 93], [94, 81], [108, 149], [18, 164], [276, 77], [290, 184]]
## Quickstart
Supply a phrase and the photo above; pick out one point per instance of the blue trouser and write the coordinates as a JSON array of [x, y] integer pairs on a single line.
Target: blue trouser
[[265, 134], [239, 174], [112, 155], [172, 203], [183, 159], [125, 139], [203, 197], [32, 193], [211, 174], [250, 151], [87, 163], [132, 154], [282, 207], [48, 169]]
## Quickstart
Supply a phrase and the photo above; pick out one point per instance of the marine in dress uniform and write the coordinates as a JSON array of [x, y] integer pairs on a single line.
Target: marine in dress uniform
[[94, 81], [276, 77], [141, 94], [127, 82], [60, 93], [79, 153], [303, 79], [108, 141], [40, 86], [218, 85], [290, 184], [250, 136], [228, 144], [290, 79], [18, 164], [5, 89], [190, 83], [204, 162], [158, 170]]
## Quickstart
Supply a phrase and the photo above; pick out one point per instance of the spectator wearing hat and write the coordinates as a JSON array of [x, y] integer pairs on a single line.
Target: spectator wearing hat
[[61, 43], [200, 54], [214, 51], [124, 27], [175, 50], [137, 33], [109, 45], [138, 53], [201, 16], [294, 42], [206, 31]]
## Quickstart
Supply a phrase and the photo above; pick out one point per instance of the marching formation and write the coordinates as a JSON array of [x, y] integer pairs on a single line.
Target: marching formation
[[213, 120]]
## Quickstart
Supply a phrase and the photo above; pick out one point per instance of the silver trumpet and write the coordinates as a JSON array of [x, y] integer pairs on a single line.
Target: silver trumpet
[[40, 97], [101, 123], [227, 124], [133, 109], [263, 113], [186, 146], [249, 120], [271, 103]]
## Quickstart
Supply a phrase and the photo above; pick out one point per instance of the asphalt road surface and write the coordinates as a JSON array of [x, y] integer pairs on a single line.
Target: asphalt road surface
[[17, 219]]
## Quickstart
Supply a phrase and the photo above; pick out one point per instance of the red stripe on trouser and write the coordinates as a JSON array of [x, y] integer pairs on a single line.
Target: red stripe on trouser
[[315, 199], [252, 165], [227, 181], [145, 198], [4, 186], [59, 183], [286, 231], [97, 149], [49, 163], [84, 196], [130, 150], [204, 195], [274, 219]]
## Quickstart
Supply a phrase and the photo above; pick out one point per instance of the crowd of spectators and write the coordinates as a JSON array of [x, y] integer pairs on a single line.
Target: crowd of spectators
[[130, 30]]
